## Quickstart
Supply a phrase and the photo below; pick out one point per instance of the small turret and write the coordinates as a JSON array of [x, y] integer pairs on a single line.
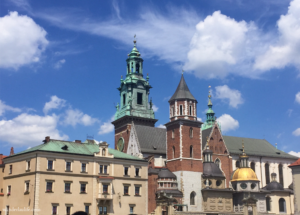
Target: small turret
[[210, 114]]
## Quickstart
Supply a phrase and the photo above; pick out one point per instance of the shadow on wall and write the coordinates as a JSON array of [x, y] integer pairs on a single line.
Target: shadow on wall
[[80, 213]]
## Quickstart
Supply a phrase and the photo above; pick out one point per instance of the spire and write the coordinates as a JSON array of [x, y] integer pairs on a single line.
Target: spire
[[182, 91], [243, 157], [210, 114]]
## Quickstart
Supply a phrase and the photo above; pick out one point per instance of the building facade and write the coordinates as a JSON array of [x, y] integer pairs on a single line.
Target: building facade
[[62, 177]]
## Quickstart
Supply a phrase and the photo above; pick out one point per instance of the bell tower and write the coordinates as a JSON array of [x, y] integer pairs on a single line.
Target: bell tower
[[134, 106], [184, 152]]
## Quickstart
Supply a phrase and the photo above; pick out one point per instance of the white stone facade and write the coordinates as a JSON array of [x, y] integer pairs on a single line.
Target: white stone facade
[[189, 182]]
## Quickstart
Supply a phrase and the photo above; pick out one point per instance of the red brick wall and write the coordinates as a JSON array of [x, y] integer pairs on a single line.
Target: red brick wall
[[217, 145], [152, 188], [124, 132], [185, 165], [177, 113]]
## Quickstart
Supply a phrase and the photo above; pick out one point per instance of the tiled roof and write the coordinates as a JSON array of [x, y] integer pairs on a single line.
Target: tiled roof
[[296, 163], [205, 134], [151, 139], [256, 147], [75, 148], [182, 91]]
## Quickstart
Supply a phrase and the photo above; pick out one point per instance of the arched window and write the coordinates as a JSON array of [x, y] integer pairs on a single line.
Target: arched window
[[192, 198], [191, 132], [124, 99], [191, 151], [267, 173], [282, 207], [217, 162], [103, 152], [252, 165], [237, 164], [137, 68], [173, 151], [190, 110], [280, 174], [268, 203]]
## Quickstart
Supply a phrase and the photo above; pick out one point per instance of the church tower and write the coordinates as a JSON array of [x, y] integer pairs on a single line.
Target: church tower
[[184, 145], [134, 104], [210, 115]]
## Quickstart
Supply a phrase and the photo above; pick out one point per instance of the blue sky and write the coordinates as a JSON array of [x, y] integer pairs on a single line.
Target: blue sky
[[61, 62]]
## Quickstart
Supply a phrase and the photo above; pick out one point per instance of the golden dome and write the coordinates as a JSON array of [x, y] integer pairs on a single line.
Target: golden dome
[[244, 174]]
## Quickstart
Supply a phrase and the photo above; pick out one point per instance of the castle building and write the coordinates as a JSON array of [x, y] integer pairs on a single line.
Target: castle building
[[62, 177], [182, 146]]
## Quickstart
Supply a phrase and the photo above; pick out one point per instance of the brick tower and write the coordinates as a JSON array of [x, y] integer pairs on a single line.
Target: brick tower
[[184, 145], [134, 104]]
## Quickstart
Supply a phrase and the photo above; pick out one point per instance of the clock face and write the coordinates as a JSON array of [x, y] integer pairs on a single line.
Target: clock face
[[243, 185], [120, 144]]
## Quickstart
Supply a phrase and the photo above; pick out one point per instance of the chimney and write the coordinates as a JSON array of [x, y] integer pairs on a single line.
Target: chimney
[[77, 141], [12, 151], [47, 139]]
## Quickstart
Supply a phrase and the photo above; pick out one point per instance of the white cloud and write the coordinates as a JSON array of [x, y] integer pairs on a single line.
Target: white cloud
[[4, 107], [199, 119], [297, 154], [107, 127], [286, 50], [155, 108], [59, 64], [296, 132], [297, 97], [233, 96], [54, 103], [22, 41], [161, 126], [29, 130], [228, 123], [74, 117]]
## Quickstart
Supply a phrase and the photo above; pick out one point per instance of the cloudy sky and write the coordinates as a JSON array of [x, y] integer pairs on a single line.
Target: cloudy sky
[[61, 62]]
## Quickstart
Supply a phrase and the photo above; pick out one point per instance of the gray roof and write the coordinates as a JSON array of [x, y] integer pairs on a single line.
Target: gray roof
[[151, 139], [211, 169], [182, 91], [173, 192], [205, 133], [256, 147], [165, 173]]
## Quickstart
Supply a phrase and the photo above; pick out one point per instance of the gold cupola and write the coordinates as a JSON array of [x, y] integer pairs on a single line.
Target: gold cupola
[[244, 172]]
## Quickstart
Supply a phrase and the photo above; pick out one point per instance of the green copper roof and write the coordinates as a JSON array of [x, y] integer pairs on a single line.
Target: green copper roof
[[182, 91], [75, 148], [210, 115]]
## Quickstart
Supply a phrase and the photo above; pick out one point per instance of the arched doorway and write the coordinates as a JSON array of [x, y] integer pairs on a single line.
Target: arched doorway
[[282, 206]]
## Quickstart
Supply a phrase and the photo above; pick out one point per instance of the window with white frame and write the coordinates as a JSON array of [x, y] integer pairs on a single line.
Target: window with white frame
[[68, 209], [83, 167], [126, 171], [50, 165], [87, 208], [54, 209], [131, 209], [68, 186], [68, 166], [49, 186], [126, 190], [27, 185], [7, 209], [105, 188], [28, 165], [9, 190], [137, 172], [10, 169], [137, 190], [102, 209], [103, 169], [83, 187]]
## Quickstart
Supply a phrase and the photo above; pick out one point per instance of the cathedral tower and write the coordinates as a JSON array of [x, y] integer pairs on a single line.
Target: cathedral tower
[[134, 104], [184, 144]]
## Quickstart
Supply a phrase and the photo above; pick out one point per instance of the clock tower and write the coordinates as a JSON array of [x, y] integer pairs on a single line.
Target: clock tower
[[134, 106]]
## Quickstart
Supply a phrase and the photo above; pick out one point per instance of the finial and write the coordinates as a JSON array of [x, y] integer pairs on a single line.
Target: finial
[[134, 41], [243, 147]]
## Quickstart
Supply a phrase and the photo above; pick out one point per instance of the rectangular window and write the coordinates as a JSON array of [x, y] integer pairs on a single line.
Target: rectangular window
[[101, 169], [10, 169], [131, 210], [105, 188], [87, 209], [124, 99], [137, 190], [54, 209], [49, 186], [126, 190], [28, 165], [68, 210], [180, 108], [139, 98], [190, 110], [126, 171], [100, 210], [8, 190], [7, 210], [105, 169], [83, 167], [26, 187], [68, 166], [82, 188], [173, 112], [137, 171], [67, 187], [104, 210], [50, 164]]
